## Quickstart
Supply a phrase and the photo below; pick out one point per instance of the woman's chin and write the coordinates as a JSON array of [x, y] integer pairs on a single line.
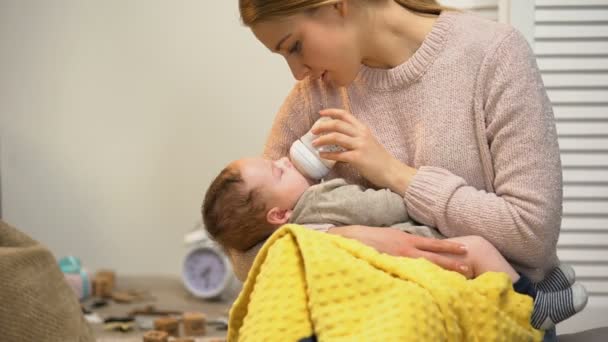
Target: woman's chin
[[339, 81]]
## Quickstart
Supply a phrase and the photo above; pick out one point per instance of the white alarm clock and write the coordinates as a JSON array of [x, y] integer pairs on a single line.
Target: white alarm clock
[[206, 270]]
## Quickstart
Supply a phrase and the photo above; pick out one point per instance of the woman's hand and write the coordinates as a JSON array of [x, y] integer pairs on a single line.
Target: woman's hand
[[397, 243], [362, 150]]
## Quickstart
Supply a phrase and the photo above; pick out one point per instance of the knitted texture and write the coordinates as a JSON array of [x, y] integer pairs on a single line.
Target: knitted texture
[[469, 111], [36, 303], [306, 283]]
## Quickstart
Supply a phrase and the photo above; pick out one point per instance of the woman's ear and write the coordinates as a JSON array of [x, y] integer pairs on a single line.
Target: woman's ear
[[278, 216]]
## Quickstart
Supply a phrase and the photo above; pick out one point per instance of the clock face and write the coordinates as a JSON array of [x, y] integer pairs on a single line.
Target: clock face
[[205, 271]]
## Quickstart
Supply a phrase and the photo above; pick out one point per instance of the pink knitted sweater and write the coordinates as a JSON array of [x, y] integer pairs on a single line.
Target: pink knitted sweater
[[470, 112]]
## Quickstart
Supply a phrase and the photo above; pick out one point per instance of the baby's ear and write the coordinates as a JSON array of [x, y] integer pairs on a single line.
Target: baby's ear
[[278, 216]]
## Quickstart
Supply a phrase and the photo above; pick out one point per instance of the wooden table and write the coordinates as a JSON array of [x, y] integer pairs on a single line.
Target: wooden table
[[168, 293]]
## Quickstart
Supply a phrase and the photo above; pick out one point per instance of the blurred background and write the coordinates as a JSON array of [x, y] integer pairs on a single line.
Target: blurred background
[[115, 116]]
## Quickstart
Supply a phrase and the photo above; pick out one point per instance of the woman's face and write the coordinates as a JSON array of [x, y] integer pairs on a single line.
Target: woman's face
[[319, 44]]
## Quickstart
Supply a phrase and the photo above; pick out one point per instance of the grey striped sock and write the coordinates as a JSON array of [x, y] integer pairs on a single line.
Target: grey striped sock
[[560, 278], [551, 308]]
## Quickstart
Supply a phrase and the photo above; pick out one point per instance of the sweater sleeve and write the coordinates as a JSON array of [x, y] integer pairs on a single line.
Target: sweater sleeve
[[521, 218]]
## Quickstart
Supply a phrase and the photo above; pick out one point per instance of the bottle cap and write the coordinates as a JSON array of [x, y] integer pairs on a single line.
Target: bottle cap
[[307, 161]]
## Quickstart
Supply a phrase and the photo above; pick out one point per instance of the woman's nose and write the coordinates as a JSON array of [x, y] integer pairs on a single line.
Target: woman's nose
[[299, 70]]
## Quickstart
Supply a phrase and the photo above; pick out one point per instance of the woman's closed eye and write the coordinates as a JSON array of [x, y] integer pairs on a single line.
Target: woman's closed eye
[[296, 47]]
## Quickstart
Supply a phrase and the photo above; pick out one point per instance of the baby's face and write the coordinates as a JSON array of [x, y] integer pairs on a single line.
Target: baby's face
[[280, 182]]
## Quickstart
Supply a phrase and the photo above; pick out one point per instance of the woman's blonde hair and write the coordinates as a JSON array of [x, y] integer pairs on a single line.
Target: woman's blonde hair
[[255, 11]]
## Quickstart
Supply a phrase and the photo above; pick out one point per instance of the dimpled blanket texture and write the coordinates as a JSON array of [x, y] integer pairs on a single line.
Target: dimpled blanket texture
[[311, 286]]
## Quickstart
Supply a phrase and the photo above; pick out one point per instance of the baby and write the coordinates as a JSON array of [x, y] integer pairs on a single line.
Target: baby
[[253, 197]]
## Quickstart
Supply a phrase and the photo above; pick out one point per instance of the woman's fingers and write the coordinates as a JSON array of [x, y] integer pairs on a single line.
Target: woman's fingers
[[342, 115], [365, 153], [430, 249], [446, 262], [337, 113], [395, 242], [345, 157], [440, 246], [339, 126], [335, 139]]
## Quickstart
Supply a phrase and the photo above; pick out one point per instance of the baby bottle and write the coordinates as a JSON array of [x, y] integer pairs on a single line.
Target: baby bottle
[[306, 158]]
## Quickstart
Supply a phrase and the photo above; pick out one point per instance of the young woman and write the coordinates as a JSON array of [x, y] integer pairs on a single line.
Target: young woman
[[440, 106]]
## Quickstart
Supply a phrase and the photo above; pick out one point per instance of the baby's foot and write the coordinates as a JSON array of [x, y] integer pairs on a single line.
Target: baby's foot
[[551, 308], [560, 278]]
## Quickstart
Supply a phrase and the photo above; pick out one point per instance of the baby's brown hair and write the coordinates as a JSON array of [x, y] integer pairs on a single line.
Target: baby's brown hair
[[234, 216]]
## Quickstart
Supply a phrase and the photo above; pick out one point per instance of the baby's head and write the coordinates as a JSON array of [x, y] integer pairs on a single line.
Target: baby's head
[[250, 199]]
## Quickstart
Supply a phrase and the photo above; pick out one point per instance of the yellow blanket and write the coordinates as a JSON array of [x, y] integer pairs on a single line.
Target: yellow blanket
[[305, 285]]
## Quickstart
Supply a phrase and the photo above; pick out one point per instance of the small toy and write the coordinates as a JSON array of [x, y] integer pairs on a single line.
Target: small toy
[[102, 286], [111, 275], [194, 323], [156, 336], [167, 324], [76, 276]]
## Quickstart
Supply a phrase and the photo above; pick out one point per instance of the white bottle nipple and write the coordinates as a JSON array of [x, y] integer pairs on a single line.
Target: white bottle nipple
[[306, 158]]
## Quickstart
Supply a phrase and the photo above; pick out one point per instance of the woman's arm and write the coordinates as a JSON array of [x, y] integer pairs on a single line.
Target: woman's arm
[[384, 240], [397, 243], [523, 214]]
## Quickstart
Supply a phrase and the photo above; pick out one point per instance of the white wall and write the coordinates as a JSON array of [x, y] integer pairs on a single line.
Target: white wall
[[115, 115]]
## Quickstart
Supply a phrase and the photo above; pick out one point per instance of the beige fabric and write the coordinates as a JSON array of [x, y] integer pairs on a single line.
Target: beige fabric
[[36, 303], [343, 204], [337, 203], [470, 112]]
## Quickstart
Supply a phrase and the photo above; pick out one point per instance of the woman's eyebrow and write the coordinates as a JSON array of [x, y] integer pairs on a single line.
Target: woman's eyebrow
[[278, 48]]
